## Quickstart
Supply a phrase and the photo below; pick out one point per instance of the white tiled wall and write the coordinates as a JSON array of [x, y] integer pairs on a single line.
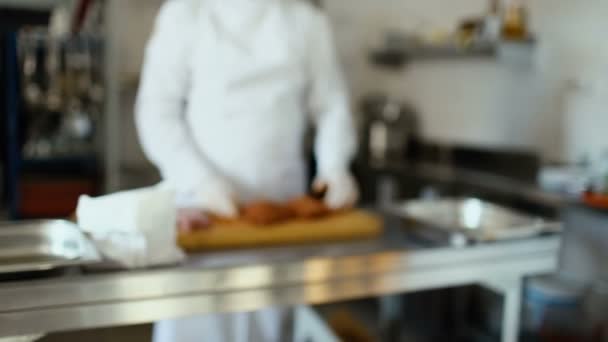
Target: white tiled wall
[[465, 101]]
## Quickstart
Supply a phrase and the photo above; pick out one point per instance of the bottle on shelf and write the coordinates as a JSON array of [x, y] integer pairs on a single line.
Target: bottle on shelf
[[492, 22], [515, 21]]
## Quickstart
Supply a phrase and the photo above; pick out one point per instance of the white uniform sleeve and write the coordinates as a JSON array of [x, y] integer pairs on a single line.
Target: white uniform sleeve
[[160, 106], [336, 140]]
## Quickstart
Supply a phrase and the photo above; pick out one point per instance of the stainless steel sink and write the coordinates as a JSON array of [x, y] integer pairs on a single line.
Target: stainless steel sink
[[43, 245], [467, 220]]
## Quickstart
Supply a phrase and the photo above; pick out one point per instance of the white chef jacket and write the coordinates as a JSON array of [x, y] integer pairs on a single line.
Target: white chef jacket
[[228, 88]]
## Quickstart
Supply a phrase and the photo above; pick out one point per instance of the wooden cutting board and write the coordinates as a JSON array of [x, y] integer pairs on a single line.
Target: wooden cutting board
[[352, 225]]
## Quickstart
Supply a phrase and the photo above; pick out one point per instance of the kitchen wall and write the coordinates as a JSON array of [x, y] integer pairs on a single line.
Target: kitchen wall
[[576, 51], [134, 21], [476, 101], [483, 102]]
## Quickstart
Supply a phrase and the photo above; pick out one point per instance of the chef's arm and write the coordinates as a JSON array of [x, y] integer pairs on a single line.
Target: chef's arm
[[160, 106], [336, 141]]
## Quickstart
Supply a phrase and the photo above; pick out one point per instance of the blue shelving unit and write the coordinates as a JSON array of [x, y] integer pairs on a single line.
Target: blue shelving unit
[[11, 19], [11, 110]]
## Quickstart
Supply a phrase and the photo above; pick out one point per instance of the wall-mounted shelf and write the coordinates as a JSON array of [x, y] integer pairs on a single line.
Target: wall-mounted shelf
[[397, 56]]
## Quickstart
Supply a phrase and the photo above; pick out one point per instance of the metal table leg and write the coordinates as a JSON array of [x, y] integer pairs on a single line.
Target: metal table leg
[[511, 289], [391, 308], [512, 312]]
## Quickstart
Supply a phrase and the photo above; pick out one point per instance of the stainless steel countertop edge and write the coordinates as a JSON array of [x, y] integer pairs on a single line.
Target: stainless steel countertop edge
[[145, 310], [182, 280]]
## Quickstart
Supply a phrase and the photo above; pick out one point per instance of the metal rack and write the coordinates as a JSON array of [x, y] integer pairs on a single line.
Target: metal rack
[[49, 81], [12, 20], [403, 51]]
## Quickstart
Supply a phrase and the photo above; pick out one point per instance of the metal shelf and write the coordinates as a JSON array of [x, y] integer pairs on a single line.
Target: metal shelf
[[400, 55]]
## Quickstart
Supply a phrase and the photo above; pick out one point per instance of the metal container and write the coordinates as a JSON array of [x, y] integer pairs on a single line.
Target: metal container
[[461, 221], [389, 127], [31, 246]]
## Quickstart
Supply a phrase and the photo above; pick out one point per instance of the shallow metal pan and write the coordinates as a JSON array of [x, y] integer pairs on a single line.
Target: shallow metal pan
[[466, 220], [43, 245]]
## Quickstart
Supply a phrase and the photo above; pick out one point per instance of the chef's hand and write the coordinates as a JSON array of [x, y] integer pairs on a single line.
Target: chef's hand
[[341, 190], [190, 219], [218, 198]]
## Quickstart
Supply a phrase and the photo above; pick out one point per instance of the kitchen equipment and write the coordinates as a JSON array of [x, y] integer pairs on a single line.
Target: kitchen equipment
[[462, 221], [571, 181], [597, 201], [63, 93], [31, 246], [239, 234], [389, 127]]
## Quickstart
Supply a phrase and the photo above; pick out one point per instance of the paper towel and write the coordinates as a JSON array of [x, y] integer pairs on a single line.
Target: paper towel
[[132, 228]]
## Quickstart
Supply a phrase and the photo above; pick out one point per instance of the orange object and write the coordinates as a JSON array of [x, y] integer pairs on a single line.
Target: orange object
[[224, 234], [307, 207], [266, 213], [594, 200], [349, 328], [515, 21]]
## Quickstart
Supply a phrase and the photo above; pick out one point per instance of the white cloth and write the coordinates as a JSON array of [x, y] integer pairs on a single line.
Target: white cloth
[[263, 326], [132, 228], [227, 90], [306, 326]]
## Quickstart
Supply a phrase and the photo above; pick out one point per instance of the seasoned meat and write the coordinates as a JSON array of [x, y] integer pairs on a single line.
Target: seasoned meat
[[307, 207], [266, 213]]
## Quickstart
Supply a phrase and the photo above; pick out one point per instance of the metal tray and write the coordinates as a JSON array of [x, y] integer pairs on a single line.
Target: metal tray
[[31, 246], [461, 221]]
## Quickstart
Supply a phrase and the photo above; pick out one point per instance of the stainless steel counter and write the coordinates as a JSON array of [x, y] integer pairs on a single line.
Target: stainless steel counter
[[250, 280]]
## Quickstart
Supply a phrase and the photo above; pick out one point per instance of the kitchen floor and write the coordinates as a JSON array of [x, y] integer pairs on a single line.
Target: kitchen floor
[[136, 333]]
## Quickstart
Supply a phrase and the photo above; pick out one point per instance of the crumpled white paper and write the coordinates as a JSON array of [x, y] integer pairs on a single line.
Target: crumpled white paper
[[132, 229]]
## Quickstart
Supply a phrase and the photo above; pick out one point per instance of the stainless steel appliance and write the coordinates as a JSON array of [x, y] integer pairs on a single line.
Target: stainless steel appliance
[[389, 126]]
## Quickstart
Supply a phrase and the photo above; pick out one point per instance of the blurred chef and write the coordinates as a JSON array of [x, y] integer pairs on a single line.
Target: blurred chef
[[227, 91]]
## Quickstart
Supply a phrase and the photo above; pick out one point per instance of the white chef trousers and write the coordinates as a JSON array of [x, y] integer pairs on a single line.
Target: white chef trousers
[[261, 326]]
